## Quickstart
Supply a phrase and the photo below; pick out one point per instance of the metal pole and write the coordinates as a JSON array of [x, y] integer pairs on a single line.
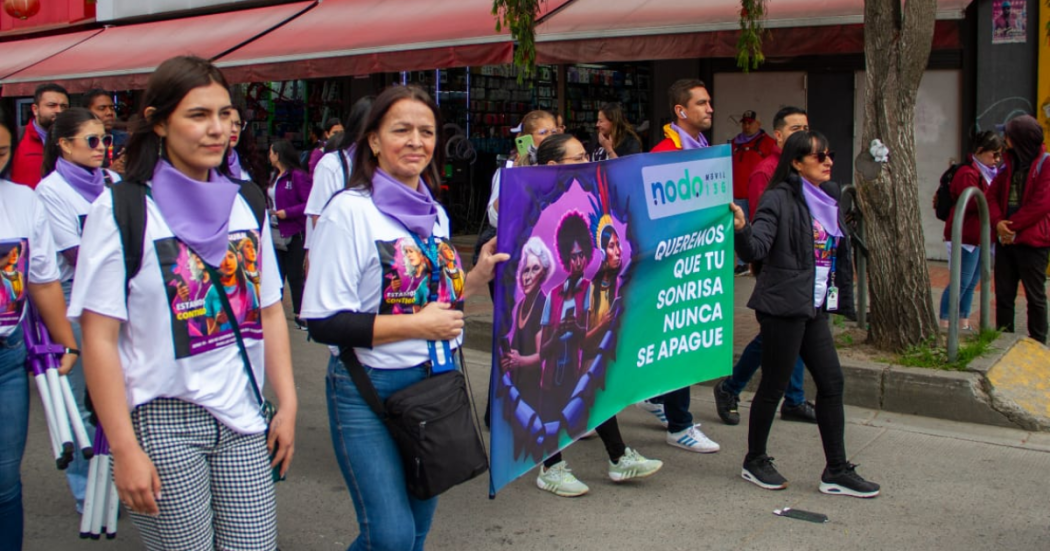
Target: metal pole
[[956, 267]]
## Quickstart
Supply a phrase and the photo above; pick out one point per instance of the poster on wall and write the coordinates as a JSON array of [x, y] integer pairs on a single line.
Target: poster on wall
[[619, 288], [1009, 21]]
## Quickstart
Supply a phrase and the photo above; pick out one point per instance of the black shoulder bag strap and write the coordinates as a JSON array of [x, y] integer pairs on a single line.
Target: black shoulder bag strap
[[346, 169], [232, 318], [362, 381], [129, 210]]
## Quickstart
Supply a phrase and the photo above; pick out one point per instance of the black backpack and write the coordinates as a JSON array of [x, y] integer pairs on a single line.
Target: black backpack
[[129, 210], [942, 200]]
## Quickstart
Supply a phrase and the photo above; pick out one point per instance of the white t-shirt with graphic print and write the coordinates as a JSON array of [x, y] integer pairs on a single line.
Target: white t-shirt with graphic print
[[66, 211], [27, 251], [173, 347], [366, 261]]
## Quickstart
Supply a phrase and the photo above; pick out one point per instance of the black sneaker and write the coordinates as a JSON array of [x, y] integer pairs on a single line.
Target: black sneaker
[[804, 412], [300, 324], [761, 472], [726, 405], [847, 483], [742, 270]]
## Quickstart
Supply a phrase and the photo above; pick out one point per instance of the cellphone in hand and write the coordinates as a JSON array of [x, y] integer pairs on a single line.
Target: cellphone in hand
[[524, 143]]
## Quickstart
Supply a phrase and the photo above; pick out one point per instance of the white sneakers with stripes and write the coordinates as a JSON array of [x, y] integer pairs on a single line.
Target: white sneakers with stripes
[[693, 439]]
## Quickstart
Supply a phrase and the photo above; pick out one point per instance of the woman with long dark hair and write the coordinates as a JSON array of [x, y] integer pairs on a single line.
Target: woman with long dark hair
[[74, 153], [27, 257], [798, 236], [288, 193], [351, 298], [979, 173], [616, 137], [192, 451]]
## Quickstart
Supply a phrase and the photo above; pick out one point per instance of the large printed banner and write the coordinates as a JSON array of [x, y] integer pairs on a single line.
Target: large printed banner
[[619, 288]]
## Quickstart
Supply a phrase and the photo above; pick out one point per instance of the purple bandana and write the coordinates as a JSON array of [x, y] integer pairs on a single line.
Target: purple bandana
[[822, 207], [233, 161], [988, 172], [88, 182], [198, 213], [40, 131], [415, 208], [689, 142]]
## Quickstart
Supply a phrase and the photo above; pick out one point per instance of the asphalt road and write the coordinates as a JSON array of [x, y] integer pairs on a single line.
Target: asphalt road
[[945, 486]]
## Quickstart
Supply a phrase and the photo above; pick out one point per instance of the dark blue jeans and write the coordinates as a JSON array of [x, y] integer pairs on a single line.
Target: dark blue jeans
[[388, 517], [969, 264], [14, 423], [749, 362]]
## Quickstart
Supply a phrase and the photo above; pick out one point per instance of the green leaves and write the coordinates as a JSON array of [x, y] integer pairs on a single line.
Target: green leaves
[[749, 47], [519, 17]]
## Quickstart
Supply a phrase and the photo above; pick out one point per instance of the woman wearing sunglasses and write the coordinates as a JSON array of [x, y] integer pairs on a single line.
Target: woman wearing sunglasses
[[73, 178], [798, 236]]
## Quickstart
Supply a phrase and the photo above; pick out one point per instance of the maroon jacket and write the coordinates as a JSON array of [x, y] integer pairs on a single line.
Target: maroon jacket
[[29, 157], [967, 175], [291, 192], [1032, 221]]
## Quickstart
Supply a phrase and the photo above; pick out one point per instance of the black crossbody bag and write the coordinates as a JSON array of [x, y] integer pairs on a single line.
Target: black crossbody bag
[[431, 423]]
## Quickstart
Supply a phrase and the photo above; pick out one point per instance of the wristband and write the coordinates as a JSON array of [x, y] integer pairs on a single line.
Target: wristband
[[72, 351]]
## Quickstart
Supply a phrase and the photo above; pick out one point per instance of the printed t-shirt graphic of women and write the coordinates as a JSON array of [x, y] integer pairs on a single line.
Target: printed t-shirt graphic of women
[[243, 299], [13, 279]]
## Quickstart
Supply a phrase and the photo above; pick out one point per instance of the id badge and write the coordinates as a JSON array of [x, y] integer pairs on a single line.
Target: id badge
[[833, 298], [440, 357]]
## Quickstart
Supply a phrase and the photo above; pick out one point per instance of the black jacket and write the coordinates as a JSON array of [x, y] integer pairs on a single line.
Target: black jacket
[[780, 240]]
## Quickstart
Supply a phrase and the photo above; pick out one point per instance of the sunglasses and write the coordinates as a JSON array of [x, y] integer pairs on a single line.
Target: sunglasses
[[94, 141], [823, 156]]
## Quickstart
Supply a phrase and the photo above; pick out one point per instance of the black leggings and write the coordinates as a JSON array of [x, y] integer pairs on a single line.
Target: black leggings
[[291, 264], [1027, 265], [784, 340], [609, 432]]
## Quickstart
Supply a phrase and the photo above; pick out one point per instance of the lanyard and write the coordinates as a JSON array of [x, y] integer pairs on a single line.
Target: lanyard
[[439, 362], [834, 253]]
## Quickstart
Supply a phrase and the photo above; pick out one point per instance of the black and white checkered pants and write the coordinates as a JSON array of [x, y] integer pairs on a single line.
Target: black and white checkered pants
[[216, 486]]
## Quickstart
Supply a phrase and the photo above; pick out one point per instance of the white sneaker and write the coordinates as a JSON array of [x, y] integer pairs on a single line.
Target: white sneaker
[[633, 465], [560, 481], [656, 409], [693, 439]]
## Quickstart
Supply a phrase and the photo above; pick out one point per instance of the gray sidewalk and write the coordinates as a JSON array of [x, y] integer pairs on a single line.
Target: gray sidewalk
[[946, 486]]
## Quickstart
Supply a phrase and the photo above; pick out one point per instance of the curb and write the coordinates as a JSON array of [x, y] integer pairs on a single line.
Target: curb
[[964, 396]]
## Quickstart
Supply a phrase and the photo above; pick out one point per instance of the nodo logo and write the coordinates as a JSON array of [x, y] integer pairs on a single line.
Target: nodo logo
[[685, 187]]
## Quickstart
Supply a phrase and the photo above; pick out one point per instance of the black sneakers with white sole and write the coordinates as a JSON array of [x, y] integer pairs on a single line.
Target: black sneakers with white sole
[[847, 483], [761, 472]]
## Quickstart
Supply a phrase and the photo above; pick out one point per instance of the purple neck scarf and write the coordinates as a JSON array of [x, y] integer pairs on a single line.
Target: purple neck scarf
[[88, 182], [414, 208], [988, 172], [822, 208], [689, 142], [233, 161], [742, 138], [40, 131], [198, 213]]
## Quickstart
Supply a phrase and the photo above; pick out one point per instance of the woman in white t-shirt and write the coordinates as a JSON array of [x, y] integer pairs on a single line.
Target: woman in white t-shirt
[[27, 269], [73, 178], [361, 296], [191, 448]]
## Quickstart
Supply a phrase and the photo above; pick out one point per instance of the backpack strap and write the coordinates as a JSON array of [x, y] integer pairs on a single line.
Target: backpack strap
[[129, 211], [1039, 167], [346, 168], [256, 199]]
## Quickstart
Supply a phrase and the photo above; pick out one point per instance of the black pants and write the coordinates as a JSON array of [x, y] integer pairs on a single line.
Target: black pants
[[1021, 263], [609, 432], [783, 341], [291, 263]]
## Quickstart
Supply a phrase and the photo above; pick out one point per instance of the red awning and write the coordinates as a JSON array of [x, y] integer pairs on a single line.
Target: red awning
[[124, 57], [635, 30], [354, 37], [20, 54]]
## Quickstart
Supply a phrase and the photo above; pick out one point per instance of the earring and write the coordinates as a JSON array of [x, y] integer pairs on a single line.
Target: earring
[[375, 152], [160, 148]]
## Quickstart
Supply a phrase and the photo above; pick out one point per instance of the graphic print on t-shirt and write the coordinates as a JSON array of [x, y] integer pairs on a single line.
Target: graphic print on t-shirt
[[198, 321], [407, 272], [14, 262]]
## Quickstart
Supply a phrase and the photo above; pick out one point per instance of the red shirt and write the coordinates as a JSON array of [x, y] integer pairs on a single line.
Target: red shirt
[[666, 145], [1032, 220], [967, 176], [29, 157], [759, 179], [746, 156]]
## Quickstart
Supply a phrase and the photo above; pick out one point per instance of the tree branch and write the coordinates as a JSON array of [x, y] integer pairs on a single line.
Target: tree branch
[[916, 41]]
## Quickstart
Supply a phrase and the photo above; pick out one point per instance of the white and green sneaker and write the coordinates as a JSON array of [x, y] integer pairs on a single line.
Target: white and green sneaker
[[560, 481], [633, 465]]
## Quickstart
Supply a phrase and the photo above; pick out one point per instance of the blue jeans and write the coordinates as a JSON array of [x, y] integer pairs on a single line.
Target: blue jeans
[[388, 517], [970, 264], [76, 473], [14, 424], [750, 361]]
